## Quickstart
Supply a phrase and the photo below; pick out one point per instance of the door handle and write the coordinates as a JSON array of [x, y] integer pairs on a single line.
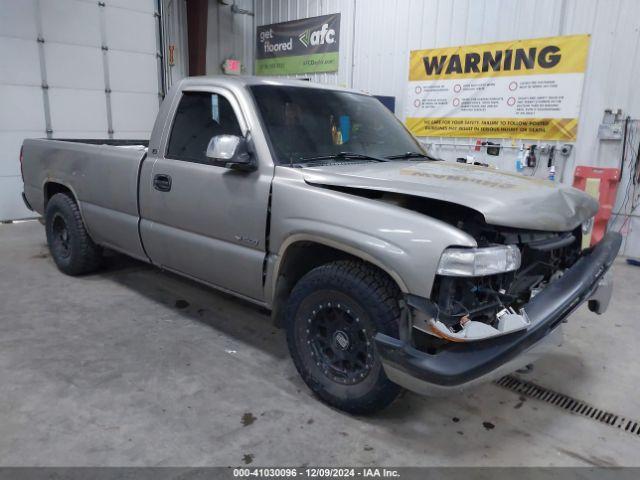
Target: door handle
[[162, 182]]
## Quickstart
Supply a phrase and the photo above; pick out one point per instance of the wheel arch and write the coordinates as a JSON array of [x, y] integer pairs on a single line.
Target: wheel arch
[[53, 186], [301, 254]]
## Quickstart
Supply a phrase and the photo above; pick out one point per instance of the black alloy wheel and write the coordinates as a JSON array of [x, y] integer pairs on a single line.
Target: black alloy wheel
[[339, 343], [332, 317]]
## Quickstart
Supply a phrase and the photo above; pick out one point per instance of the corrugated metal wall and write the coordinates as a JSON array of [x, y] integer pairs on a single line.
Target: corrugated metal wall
[[377, 36], [229, 35]]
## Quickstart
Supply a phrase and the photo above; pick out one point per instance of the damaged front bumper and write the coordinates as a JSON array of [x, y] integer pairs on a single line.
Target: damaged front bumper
[[464, 364]]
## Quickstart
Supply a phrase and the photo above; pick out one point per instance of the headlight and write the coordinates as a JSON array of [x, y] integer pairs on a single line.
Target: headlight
[[476, 262], [587, 226]]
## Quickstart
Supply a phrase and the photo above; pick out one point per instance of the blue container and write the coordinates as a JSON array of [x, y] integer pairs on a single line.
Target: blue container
[[345, 127]]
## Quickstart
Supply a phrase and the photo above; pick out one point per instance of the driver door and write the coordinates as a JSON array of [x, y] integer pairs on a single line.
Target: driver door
[[199, 218]]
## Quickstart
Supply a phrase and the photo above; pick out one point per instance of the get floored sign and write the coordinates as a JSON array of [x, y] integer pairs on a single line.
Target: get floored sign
[[309, 45], [517, 89]]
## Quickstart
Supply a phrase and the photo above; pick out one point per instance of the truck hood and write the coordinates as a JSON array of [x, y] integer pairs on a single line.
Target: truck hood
[[505, 199]]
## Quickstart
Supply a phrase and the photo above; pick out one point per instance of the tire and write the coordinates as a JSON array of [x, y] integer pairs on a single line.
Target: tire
[[332, 315], [69, 243]]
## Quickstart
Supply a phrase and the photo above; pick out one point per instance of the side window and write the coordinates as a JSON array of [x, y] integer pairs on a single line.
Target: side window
[[199, 117]]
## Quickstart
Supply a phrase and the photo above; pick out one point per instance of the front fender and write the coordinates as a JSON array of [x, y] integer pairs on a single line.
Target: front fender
[[345, 241], [405, 244]]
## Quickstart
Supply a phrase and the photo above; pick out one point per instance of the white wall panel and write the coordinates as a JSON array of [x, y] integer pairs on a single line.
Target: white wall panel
[[74, 109], [132, 134], [148, 6], [134, 111], [133, 72], [17, 18], [130, 30], [74, 66], [19, 63], [21, 108], [133, 68], [71, 21], [78, 134], [11, 204], [73, 32], [10, 143], [632, 233]]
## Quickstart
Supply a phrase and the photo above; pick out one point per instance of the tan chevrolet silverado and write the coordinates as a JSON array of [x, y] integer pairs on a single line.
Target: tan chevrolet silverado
[[387, 268]]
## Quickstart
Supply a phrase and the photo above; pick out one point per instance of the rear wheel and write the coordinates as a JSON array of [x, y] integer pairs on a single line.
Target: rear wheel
[[332, 316], [69, 243]]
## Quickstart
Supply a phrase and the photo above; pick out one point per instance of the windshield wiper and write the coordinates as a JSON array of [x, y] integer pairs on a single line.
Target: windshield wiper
[[411, 155], [343, 156]]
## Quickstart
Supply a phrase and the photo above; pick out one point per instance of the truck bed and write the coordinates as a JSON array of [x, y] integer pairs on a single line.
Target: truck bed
[[103, 176], [103, 141]]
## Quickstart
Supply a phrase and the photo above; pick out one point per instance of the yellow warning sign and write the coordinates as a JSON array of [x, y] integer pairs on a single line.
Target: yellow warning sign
[[546, 128], [516, 89]]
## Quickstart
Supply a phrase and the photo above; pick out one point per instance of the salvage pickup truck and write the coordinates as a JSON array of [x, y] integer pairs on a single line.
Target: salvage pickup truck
[[387, 268]]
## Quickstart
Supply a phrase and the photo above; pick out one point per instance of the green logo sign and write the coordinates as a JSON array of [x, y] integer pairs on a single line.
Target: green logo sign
[[304, 37], [308, 45]]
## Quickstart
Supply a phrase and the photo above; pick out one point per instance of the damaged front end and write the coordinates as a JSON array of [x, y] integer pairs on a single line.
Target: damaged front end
[[476, 328], [480, 293]]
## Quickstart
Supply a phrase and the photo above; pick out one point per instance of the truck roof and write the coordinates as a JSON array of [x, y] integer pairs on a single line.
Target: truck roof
[[249, 80]]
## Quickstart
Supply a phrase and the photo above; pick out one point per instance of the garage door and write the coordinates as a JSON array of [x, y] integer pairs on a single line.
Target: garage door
[[73, 68]]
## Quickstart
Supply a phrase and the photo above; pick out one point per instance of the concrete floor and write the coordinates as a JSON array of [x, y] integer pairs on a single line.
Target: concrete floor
[[133, 366]]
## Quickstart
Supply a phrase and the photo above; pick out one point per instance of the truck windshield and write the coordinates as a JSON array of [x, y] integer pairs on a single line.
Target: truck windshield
[[305, 123]]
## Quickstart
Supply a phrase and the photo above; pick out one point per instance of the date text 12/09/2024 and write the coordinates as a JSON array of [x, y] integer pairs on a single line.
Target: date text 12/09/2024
[[315, 472]]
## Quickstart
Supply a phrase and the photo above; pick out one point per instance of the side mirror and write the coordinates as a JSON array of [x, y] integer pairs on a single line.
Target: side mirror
[[232, 150]]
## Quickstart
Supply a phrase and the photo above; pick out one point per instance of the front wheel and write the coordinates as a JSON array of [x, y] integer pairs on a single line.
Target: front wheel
[[333, 313]]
